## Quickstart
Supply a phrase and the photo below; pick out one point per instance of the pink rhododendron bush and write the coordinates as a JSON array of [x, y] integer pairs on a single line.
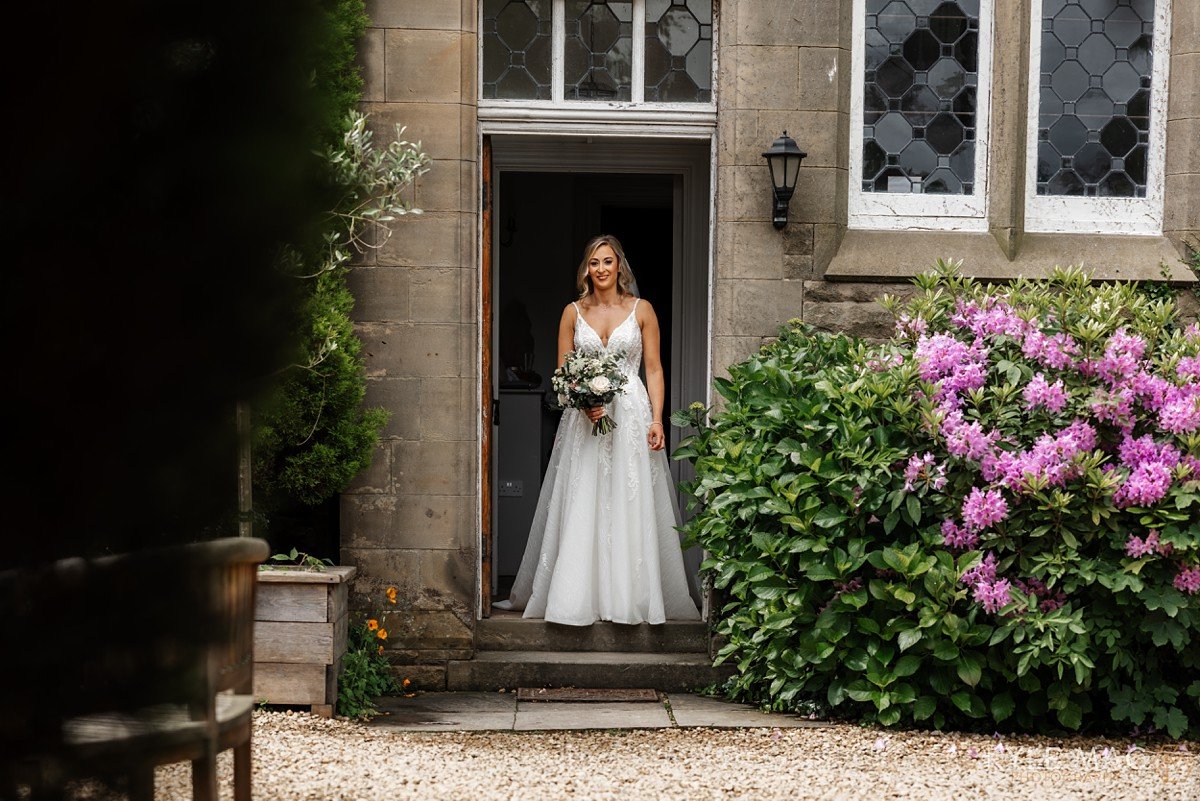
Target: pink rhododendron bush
[[991, 520]]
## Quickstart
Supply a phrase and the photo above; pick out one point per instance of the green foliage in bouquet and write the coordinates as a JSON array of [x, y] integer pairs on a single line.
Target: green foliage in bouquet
[[992, 520]]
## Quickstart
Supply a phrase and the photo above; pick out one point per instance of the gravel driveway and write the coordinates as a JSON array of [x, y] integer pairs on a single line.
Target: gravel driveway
[[298, 756]]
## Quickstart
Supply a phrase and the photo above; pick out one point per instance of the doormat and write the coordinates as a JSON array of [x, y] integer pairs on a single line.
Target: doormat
[[583, 694]]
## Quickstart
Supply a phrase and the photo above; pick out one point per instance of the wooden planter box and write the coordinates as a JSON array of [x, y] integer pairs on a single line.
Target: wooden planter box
[[300, 626]]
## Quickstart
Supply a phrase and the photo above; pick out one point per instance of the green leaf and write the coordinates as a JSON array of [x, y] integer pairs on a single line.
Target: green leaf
[[945, 650], [913, 504], [970, 669], [962, 700], [829, 517], [924, 707], [907, 665], [1171, 719], [1002, 707], [908, 637]]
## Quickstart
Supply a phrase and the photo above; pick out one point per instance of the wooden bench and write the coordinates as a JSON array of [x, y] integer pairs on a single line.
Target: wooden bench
[[155, 697]]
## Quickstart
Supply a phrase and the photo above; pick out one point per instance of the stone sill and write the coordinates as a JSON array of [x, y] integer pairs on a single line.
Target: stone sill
[[885, 256]]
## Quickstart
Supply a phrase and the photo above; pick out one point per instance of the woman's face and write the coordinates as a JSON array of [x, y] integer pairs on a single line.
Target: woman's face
[[602, 268]]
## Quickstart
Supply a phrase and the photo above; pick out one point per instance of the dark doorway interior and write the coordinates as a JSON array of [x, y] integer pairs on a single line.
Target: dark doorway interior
[[544, 220]]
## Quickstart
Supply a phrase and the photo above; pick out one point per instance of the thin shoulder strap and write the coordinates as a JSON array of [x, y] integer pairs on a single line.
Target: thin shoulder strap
[[578, 313], [636, 301]]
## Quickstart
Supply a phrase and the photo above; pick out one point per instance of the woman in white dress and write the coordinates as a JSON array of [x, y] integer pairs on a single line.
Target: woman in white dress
[[603, 545]]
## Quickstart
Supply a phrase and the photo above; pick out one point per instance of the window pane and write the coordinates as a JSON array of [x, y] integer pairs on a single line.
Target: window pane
[[1094, 106], [598, 52], [679, 51], [921, 76], [516, 49]]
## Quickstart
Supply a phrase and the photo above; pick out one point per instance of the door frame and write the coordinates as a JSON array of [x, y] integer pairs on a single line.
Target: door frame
[[539, 149]]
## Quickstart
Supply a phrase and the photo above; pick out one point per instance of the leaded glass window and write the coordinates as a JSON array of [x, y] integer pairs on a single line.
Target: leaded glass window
[[1097, 58], [517, 49], [619, 51], [920, 80], [598, 54], [679, 51]]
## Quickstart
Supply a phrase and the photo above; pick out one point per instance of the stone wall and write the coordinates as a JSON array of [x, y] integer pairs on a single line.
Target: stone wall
[[409, 522], [1182, 213], [782, 64]]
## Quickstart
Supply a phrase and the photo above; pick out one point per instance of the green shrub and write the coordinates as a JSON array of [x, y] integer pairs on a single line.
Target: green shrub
[[313, 437], [992, 520]]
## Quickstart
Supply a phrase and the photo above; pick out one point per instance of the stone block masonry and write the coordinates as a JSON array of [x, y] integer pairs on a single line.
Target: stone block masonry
[[408, 521]]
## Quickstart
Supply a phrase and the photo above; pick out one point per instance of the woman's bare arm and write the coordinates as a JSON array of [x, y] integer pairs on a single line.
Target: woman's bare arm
[[655, 386], [566, 333]]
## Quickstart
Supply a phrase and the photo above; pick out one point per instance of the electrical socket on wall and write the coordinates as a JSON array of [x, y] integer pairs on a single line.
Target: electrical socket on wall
[[512, 489]]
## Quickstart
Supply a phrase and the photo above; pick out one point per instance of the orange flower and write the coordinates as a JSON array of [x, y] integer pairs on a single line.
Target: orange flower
[[381, 650], [391, 594], [372, 624], [405, 683], [381, 634]]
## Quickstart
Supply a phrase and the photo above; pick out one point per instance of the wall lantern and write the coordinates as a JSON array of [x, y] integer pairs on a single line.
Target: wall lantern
[[783, 159]]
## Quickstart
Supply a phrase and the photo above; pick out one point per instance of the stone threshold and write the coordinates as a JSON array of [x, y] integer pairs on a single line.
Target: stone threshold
[[502, 711]]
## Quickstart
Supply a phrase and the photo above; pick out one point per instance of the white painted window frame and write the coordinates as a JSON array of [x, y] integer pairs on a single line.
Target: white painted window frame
[[1101, 215], [885, 210], [509, 115]]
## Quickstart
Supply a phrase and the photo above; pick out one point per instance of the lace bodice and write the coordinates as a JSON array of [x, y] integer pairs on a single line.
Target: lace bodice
[[626, 338]]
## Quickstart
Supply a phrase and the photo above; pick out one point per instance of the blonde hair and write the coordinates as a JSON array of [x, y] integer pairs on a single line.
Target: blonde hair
[[583, 282]]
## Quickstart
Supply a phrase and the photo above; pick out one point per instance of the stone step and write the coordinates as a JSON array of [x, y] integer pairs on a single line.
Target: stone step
[[517, 634], [669, 672]]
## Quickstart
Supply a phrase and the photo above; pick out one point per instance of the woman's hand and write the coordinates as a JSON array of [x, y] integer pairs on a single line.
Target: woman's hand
[[594, 413], [656, 436]]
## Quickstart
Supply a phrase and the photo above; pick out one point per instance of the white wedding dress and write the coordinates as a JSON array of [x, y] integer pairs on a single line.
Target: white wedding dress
[[603, 545]]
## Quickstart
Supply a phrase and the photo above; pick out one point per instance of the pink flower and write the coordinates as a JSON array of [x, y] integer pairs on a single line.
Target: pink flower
[[1179, 411], [911, 326], [1146, 485], [1057, 350], [956, 537], [982, 573], [983, 509], [1040, 393], [993, 596], [968, 440], [1121, 356], [926, 470], [1188, 579], [1188, 367]]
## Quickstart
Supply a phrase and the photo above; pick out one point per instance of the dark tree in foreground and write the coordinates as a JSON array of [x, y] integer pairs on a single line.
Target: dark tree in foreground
[[165, 153]]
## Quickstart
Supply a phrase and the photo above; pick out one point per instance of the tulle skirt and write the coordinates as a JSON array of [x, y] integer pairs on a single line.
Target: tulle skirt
[[603, 545]]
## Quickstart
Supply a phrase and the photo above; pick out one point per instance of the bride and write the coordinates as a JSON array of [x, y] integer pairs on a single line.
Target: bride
[[603, 545]]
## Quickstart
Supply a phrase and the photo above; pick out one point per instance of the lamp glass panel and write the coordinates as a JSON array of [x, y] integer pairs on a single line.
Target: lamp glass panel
[[791, 171]]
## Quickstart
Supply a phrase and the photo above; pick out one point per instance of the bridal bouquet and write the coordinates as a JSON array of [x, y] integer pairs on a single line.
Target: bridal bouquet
[[588, 379]]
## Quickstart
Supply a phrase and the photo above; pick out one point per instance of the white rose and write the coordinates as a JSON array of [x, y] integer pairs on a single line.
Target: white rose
[[600, 384], [563, 399]]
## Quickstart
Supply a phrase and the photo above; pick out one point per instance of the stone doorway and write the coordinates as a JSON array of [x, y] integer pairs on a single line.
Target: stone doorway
[[547, 196]]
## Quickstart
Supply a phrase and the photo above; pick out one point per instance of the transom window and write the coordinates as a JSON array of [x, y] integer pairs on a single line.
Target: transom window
[[561, 51]]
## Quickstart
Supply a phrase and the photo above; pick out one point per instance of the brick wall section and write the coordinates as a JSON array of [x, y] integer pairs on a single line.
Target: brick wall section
[[408, 521]]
